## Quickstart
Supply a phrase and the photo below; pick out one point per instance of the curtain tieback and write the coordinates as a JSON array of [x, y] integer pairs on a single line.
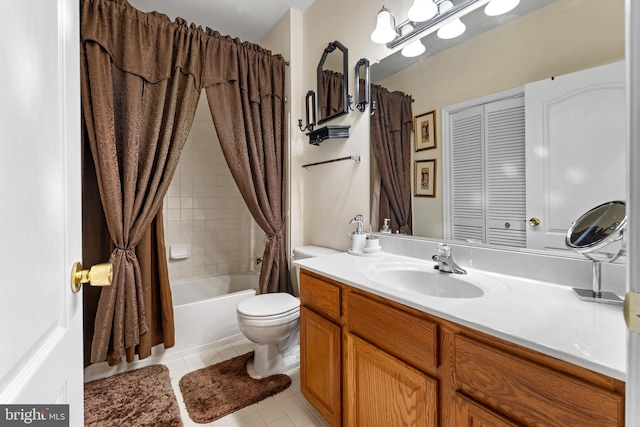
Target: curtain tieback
[[277, 234]]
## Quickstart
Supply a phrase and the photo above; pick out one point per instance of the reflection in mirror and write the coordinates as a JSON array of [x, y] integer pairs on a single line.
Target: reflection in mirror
[[333, 82], [390, 132], [561, 37]]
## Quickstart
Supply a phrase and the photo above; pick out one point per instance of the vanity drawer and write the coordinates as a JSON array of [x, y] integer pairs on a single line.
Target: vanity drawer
[[532, 393], [320, 295], [400, 333]]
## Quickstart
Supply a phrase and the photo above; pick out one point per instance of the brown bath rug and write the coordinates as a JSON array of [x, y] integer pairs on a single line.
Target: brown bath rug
[[140, 398], [218, 390]]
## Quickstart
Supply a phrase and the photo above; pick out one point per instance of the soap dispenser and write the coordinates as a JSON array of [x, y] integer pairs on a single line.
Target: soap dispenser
[[358, 237], [385, 227]]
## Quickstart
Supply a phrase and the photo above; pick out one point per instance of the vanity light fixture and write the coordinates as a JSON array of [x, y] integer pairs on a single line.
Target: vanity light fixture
[[414, 48], [446, 21], [385, 27]]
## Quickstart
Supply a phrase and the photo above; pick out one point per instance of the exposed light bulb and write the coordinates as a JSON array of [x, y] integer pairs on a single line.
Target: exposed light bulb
[[498, 7], [454, 28], [422, 10], [385, 27], [415, 48]]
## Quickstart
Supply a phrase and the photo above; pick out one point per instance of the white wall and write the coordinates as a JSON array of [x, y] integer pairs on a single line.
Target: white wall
[[334, 193]]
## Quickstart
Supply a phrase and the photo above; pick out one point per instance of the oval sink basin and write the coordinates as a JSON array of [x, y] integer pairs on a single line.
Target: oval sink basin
[[423, 279]]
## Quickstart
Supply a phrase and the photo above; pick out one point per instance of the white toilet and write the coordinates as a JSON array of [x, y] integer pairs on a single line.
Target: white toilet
[[271, 321]]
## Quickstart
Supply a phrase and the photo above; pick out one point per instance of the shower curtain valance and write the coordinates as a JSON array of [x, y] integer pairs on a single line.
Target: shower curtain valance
[[141, 79], [150, 45]]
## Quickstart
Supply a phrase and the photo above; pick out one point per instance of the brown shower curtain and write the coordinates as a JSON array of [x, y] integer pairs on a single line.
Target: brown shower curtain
[[141, 79], [245, 91], [391, 127], [139, 95]]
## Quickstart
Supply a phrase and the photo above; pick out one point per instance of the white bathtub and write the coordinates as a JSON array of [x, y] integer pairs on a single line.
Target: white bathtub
[[204, 310], [205, 317]]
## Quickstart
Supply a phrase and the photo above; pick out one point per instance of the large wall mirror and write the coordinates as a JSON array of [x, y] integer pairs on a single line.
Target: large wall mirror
[[540, 40], [333, 82]]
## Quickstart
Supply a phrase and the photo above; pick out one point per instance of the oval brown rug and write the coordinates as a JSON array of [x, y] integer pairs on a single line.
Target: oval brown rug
[[221, 389], [140, 398]]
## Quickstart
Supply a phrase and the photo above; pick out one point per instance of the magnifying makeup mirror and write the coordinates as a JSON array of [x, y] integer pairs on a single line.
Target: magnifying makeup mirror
[[598, 235]]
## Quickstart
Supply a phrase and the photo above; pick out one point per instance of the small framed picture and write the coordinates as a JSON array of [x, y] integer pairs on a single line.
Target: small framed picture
[[424, 131], [425, 178]]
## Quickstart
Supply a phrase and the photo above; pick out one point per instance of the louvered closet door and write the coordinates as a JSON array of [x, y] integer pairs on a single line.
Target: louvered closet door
[[467, 158], [505, 173]]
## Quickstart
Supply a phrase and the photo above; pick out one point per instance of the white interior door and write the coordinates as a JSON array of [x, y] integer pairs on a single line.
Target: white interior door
[[632, 390], [575, 149], [40, 219]]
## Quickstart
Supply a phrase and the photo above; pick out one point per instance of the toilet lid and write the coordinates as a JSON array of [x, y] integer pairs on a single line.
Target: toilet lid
[[268, 304]]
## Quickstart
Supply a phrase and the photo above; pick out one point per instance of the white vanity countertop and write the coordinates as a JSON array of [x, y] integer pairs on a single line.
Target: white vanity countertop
[[542, 316]]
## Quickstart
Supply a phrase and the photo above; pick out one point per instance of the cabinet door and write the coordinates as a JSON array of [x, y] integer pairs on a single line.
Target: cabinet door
[[381, 390], [320, 364], [471, 414]]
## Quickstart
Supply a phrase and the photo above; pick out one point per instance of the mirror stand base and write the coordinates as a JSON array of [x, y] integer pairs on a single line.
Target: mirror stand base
[[605, 297]]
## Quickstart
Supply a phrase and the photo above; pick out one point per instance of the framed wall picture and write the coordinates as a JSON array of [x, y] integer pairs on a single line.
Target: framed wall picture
[[425, 178], [424, 131]]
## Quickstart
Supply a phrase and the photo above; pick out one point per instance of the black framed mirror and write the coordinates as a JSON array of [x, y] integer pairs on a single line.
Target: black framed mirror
[[333, 82]]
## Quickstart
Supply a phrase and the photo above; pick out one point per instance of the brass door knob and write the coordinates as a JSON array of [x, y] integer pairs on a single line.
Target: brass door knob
[[98, 275], [534, 221]]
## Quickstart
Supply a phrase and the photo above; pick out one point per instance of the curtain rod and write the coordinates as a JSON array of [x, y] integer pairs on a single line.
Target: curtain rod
[[356, 158]]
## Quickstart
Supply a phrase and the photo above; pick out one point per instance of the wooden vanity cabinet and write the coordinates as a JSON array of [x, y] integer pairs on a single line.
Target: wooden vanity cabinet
[[387, 352], [532, 393], [368, 361], [320, 346], [382, 390]]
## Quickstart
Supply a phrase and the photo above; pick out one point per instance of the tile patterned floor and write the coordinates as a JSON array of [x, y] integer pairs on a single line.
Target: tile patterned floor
[[288, 408]]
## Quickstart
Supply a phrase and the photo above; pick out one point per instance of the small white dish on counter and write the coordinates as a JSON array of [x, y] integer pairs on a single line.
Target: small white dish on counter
[[365, 253]]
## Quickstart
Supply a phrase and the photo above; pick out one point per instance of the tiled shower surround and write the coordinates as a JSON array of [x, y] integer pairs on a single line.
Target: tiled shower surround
[[204, 209]]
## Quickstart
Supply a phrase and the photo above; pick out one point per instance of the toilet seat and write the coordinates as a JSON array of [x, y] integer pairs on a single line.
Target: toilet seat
[[266, 322], [269, 306]]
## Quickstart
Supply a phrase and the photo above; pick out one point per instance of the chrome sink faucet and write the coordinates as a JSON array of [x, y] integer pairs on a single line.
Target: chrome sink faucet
[[446, 264]]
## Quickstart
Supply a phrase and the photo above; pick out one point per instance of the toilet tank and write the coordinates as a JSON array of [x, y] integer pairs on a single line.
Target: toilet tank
[[311, 251], [303, 252]]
